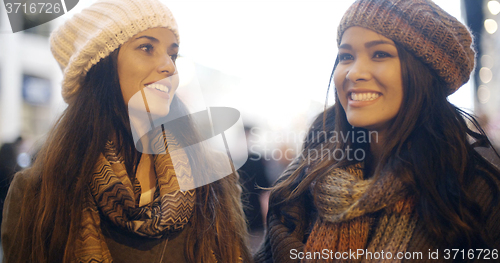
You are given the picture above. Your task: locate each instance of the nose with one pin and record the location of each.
(166, 65)
(359, 71)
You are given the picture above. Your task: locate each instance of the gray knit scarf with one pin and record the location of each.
(346, 203)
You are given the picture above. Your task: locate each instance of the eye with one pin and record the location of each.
(345, 57)
(173, 57)
(146, 47)
(381, 54)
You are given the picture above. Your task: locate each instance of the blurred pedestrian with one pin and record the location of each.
(8, 167)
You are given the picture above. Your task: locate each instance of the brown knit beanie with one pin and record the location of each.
(422, 28)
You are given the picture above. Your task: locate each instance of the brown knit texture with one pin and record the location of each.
(289, 227)
(346, 202)
(281, 237)
(424, 29)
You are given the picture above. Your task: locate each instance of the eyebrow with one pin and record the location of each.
(368, 44)
(174, 45)
(378, 42)
(148, 37)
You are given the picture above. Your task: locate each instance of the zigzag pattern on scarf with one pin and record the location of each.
(112, 193)
(175, 162)
(90, 244)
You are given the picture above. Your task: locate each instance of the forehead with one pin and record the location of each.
(161, 34)
(361, 35)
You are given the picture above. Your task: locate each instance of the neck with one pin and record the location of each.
(145, 173)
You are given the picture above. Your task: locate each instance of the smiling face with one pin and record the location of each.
(368, 79)
(147, 71)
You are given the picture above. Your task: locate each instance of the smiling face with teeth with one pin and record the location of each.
(368, 79)
(147, 72)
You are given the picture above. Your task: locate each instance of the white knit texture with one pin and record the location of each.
(98, 30)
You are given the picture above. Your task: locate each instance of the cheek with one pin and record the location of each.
(396, 81)
(125, 84)
(129, 76)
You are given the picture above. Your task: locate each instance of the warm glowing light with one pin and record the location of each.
(490, 25)
(494, 7)
(483, 94)
(485, 74)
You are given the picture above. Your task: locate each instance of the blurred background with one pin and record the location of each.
(271, 60)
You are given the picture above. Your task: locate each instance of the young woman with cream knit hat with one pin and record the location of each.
(97, 194)
(390, 172)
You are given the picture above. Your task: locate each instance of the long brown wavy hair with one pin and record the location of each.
(51, 214)
(429, 149)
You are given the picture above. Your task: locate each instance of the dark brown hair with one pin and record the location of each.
(51, 214)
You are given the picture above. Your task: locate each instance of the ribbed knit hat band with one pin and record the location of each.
(422, 28)
(98, 30)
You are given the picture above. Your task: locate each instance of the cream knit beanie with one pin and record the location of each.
(98, 30)
(424, 29)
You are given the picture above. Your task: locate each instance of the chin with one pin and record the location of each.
(159, 111)
(366, 123)
(360, 121)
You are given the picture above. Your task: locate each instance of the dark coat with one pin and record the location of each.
(124, 247)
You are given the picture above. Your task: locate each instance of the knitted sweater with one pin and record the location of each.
(288, 229)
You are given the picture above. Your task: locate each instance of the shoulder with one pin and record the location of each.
(485, 191)
(290, 210)
(24, 178)
(481, 192)
(23, 182)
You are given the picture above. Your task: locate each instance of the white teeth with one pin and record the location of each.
(159, 87)
(367, 96)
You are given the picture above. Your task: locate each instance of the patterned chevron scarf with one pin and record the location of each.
(113, 194)
(346, 204)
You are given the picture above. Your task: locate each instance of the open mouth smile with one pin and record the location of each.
(159, 87)
(363, 96)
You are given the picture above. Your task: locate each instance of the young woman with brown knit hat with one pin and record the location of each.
(97, 193)
(390, 172)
